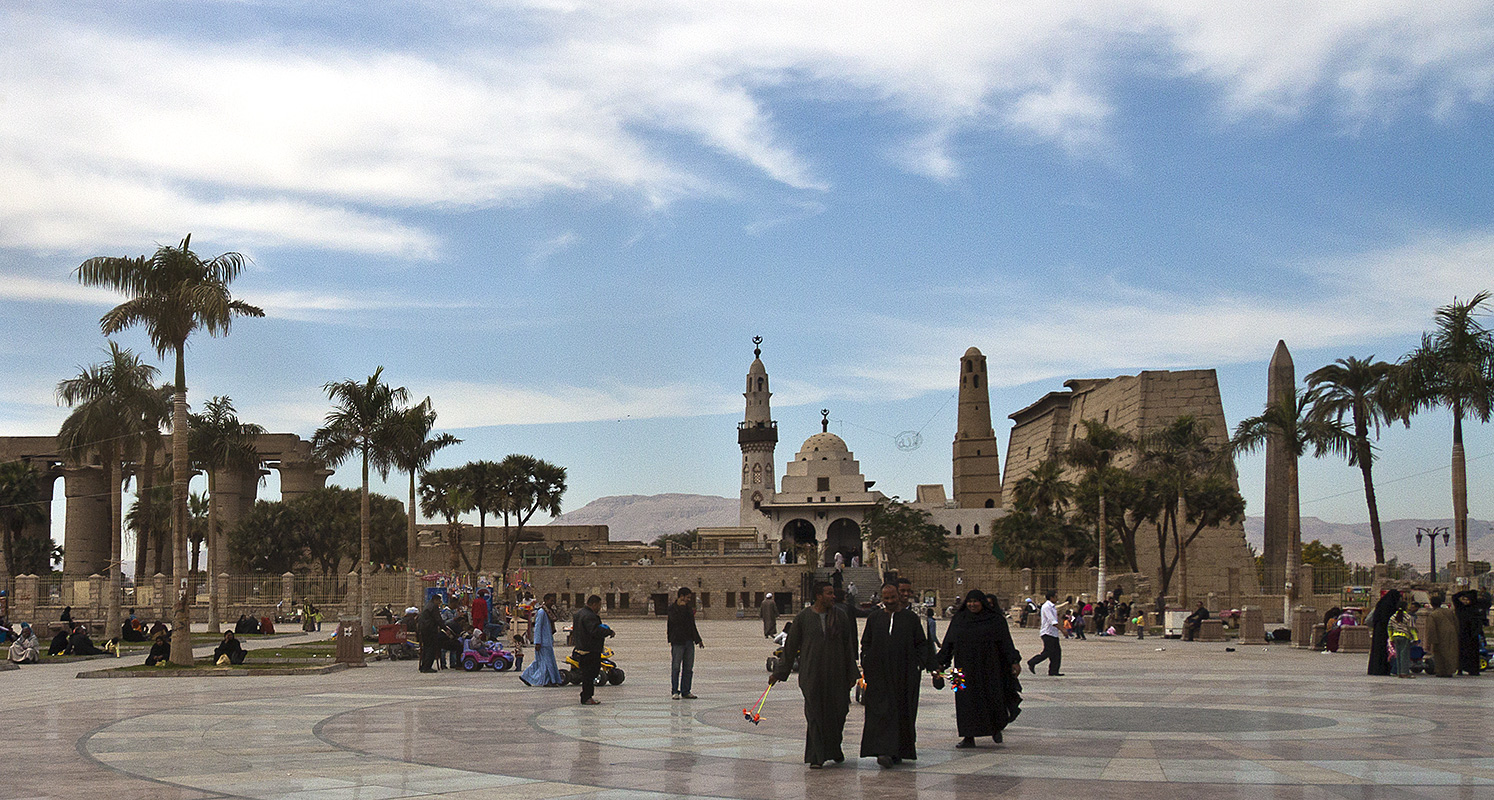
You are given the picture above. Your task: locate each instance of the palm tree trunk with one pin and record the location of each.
(181, 624)
(482, 535)
(112, 615)
(1460, 500)
(412, 581)
(214, 611)
(1182, 545)
(1369, 500)
(365, 605)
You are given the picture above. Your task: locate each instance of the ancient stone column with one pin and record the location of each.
(86, 531)
(297, 478)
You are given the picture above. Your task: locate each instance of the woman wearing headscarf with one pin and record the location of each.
(979, 643)
(1379, 655)
(1442, 638)
(1471, 611)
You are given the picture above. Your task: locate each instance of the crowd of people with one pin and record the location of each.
(1453, 640)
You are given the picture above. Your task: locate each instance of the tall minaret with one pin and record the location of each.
(758, 436)
(977, 470)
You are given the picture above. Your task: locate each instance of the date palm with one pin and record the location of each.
(1454, 368)
(538, 485)
(155, 414)
(1094, 454)
(1291, 422)
(361, 423)
(1360, 389)
(220, 441)
(444, 494)
(1043, 492)
(173, 293)
(105, 425)
(1176, 457)
(413, 448)
(20, 505)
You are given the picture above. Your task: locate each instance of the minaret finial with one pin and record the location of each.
(824, 420)
(757, 347)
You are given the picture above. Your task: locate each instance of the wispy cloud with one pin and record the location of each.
(111, 136)
(542, 252)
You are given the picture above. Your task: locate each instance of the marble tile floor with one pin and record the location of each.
(1129, 720)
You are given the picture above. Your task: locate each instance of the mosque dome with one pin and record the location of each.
(972, 352)
(757, 368)
(824, 443)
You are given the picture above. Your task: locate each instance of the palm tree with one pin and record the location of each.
(361, 422)
(220, 441)
(197, 530)
(20, 505)
(443, 494)
(538, 486)
(1358, 388)
(174, 293)
(1044, 492)
(413, 448)
(107, 400)
(486, 485)
(1454, 368)
(1291, 422)
(1094, 454)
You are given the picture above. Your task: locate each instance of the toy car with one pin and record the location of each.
(570, 671)
(490, 654)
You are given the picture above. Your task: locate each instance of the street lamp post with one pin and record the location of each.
(1431, 534)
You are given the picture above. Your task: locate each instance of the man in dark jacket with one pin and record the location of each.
(590, 636)
(683, 639)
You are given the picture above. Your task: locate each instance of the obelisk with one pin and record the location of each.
(1281, 382)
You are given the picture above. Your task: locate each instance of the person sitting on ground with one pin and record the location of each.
(78, 643)
(133, 631)
(230, 649)
(25, 649)
(59, 643)
(266, 625)
(160, 650)
(159, 627)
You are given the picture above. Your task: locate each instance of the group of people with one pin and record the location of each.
(1452, 639)
(894, 651)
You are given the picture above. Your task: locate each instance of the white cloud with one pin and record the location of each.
(551, 247)
(1076, 330)
(469, 405)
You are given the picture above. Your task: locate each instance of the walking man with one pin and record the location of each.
(590, 636)
(1049, 631)
(769, 612)
(820, 639)
(683, 639)
(894, 653)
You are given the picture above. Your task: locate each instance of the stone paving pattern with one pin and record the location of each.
(1126, 721)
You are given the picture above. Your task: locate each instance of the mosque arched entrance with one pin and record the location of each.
(799, 538)
(844, 537)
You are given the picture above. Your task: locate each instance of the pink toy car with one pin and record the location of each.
(490, 654)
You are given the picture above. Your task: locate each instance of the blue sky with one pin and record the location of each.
(565, 220)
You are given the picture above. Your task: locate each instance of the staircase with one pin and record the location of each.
(867, 579)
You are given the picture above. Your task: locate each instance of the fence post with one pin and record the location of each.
(221, 589)
(162, 597)
(288, 590)
(350, 600)
(1027, 580)
(96, 589)
(23, 605)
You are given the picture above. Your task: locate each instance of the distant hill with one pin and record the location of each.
(1399, 535)
(647, 517)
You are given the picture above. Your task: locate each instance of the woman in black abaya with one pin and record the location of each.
(979, 643)
(1379, 656)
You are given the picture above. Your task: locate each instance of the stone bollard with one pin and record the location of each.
(350, 642)
(220, 591)
(1302, 622)
(1252, 626)
(288, 590)
(98, 592)
(352, 601)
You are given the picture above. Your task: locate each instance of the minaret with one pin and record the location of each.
(758, 436)
(977, 470)
(1281, 381)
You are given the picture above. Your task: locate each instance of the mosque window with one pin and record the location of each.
(976, 531)
(969, 366)
(822, 484)
(1105, 419)
(759, 384)
(976, 379)
(990, 504)
(622, 600)
(957, 530)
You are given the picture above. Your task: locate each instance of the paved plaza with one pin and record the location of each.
(1125, 721)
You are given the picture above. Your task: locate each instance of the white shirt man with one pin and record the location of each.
(1050, 634)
